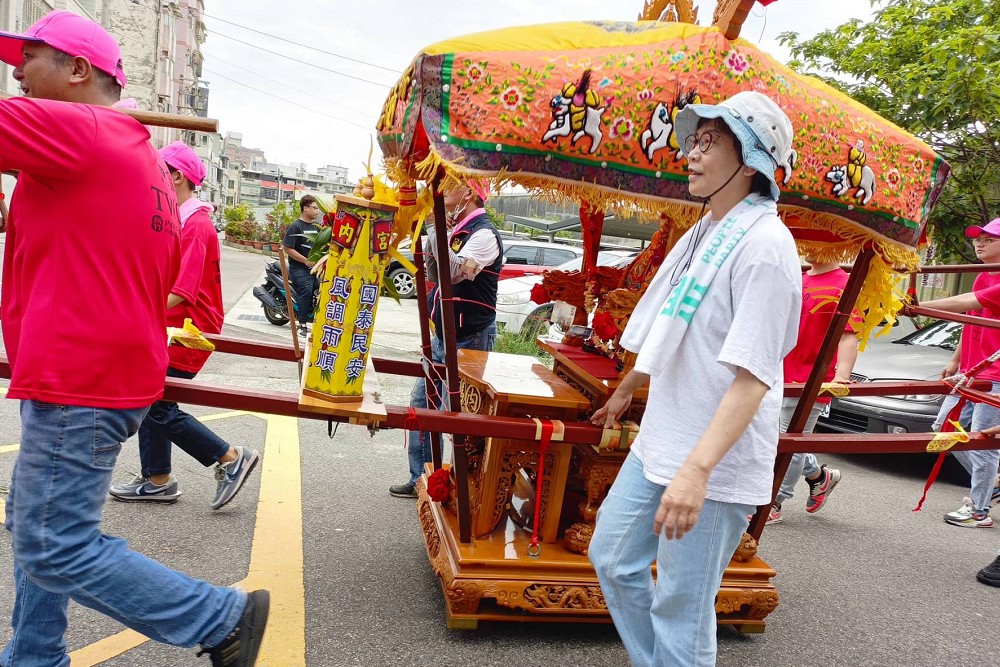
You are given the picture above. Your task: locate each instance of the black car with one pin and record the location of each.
(919, 355)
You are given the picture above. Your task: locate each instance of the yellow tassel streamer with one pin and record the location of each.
(189, 336)
(942, 442)
(837, 389)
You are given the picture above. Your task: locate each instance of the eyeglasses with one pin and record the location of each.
(984, 240)
(704, 141)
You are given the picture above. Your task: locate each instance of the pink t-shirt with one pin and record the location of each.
(817, 313)
(199, 282)
(92, 250)
(980, 342)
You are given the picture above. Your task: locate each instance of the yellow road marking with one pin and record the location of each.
(6, 449)
(107, 648)
(276, 557)
(227, 415)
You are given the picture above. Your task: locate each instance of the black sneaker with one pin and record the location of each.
(240, 648)
(403, 491)
(990, 575)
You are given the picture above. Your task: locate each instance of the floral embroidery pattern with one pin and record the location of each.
(605, 116)
(621, 128)
(737, 63)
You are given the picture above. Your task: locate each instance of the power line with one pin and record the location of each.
(304, 62)
(264, 92)
(329, 53)
(287, 87)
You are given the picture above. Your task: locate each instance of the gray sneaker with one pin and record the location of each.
(142, 490)
(231, 476)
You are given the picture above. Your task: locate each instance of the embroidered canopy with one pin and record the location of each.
(584, 110)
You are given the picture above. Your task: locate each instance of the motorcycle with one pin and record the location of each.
(272, 296)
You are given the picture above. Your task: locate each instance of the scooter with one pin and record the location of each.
(272, 296)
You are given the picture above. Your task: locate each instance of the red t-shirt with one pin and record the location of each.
(980, 342)
(199, 282)
(92, 250)
(814, 320)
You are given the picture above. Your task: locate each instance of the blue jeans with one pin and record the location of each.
(58, 489)
(418, 442)
(801, 465)
(673, 622)
(165, 423)
(981, 464)
(303, 286)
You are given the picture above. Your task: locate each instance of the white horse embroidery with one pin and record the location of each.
(559, 127)
(562, 126)
(657, 135)
(841, 184)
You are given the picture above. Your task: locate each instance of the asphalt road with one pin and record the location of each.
(864, 582)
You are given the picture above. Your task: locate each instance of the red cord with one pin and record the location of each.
(954, 415)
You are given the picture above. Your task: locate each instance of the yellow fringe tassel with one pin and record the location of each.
(882, 295)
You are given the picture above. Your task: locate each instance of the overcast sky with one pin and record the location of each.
(327, 118)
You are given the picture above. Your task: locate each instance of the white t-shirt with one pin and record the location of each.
(748, 318)
(482, 248)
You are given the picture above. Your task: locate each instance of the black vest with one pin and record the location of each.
(470, 317)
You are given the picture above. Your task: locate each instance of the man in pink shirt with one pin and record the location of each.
(84, 324)
(822, 286)
(197, 295)
(977, 344)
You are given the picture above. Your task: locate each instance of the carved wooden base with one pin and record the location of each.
(493, 578)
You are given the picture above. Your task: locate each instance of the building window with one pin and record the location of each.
(34, 10)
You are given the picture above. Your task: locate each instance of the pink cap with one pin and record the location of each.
(991, 228)
(70, 33)
(180, 156)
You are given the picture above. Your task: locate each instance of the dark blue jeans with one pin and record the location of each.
(418, 442)
(165, 423)
(304, 284)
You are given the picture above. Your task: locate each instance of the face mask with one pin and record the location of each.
(451, 217)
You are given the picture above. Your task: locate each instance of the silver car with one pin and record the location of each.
(919, 355)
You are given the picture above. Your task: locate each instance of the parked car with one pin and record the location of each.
(919, 355)
(404, 281)
(514, 304)
(529, 258)
(522, 257)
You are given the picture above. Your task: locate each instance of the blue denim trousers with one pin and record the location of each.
(801, 465)
(981, 464)
(303, 285)
(59, 486)
(166, 423)
(672, 622)
(418, 442)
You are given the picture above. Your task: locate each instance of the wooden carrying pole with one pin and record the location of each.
(451, 388)
(827, 350)
(175, 121)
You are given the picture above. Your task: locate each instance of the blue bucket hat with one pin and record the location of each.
(764, 131)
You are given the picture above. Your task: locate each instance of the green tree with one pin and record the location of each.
(931, 68)
(238, 213)
(283, 214)
(497, 218)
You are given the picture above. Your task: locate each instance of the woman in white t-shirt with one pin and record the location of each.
(710, 332)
